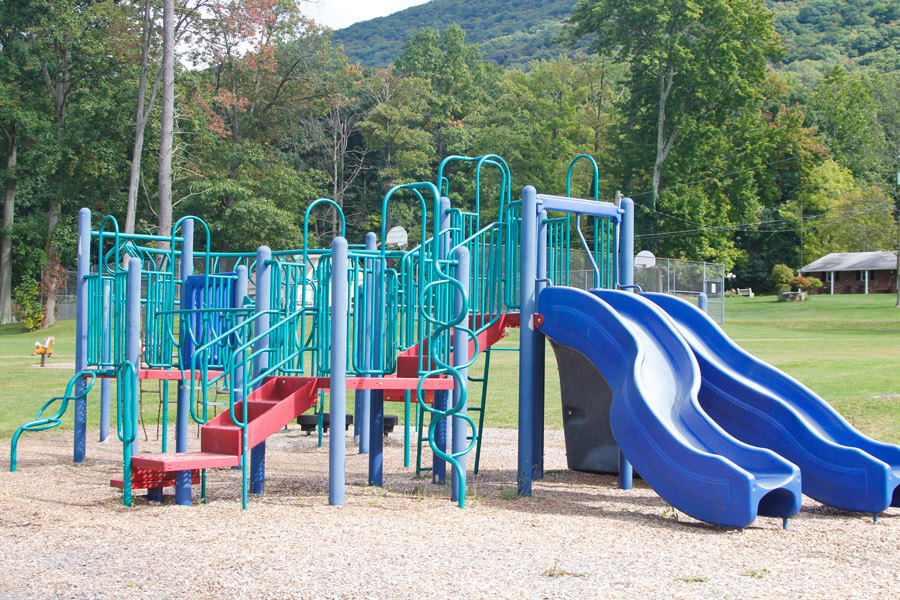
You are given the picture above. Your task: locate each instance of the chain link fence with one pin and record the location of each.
(688, 279)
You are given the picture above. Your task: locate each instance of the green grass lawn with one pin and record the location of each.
(846, 348)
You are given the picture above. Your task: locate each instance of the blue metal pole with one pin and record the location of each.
(107, 350)
(539, 349)
(81, 328)
(439, 465)
(528, 231)
(183, 408)
(239, 363)
(363, 397)
(337, 445)
(376, 398)
(460, 389)
(626, 278)
(133, 349)
(261, 362)
(703, 302)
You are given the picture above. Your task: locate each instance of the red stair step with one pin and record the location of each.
(184, 461)
(142, 479)
(222, 438)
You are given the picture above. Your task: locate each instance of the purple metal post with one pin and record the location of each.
(626, 279)
(527, 361)
(337, 449)
(376, 398)
(460, 388)
(261, 363)
(182, 419)
(81, 327)
(107, 351)
(439, 465)
(539, 349)
(363, 400)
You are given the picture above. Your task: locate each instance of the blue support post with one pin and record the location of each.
(261, 362)
(528, 232)
(336, 445)
(132, 355)
(241, 287)
(107, 352)
(460, 389)
(81, 327)
(375, 423)
(183, 408)
(363, 400)
(626, 278)
(439, 465)
(539, 349)
(133, 351)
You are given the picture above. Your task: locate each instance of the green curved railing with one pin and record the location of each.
(491, 160)
(42, 422)
(127, 392)
(431, 276)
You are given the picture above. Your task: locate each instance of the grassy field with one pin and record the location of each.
(846, 348)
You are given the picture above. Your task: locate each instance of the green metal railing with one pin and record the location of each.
(44, 421)
(127, 392)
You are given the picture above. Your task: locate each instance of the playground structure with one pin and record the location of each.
(641, 377)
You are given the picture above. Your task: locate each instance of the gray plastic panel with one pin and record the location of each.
(586, 397)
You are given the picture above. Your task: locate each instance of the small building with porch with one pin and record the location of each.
(855, 272)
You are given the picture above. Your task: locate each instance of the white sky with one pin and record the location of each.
(342, 13)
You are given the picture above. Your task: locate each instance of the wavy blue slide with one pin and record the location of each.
(763, 406)
(655, 414)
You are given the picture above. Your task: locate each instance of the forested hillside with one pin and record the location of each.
(818, 33)
(726, 159)
(508, 32)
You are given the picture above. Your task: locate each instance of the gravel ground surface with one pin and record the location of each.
(65, 534)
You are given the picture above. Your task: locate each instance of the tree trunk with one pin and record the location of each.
(167, 126)
(9, 199)
(50, 276)
(142, 115)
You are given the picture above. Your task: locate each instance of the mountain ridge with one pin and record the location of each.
(513, 33)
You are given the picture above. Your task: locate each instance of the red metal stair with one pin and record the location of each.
(276, 403)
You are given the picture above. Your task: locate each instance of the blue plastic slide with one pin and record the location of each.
(655, 415)
(762, 406)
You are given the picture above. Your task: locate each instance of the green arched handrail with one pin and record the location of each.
(309, 208)
(593, 162)
(489, 159)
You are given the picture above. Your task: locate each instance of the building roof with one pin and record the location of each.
(853, 261)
